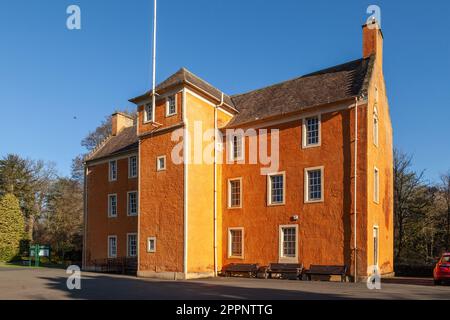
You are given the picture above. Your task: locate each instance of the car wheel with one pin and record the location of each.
(437, 282)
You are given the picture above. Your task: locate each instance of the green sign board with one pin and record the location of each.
(38, 251)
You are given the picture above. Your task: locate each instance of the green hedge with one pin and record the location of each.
(12, 227)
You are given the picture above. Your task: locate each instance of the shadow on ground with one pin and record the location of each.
(99, 287)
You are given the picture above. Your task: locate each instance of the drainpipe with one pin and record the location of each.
(215, 183)
(355, 247)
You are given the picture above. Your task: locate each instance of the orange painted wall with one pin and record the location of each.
(161, 207)
(99, 226)
(200, 190)
(325, 229)
(160, 114)
(380, 214)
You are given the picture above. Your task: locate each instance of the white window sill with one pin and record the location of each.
(236, 257)
(314, 201)
(276, 204)
(288, 260)
(309, 146)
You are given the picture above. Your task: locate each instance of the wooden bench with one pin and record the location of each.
(285, 268)
(240, 268)
(316, 270)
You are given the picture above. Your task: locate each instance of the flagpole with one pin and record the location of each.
(154, 63)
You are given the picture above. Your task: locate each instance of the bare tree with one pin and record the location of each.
(411, 197)
(445, 189)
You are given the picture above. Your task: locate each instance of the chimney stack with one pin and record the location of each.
(373, 41)
(120, 121)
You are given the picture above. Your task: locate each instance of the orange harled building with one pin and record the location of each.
(158, 194)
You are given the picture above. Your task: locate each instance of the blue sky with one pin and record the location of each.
(49, 75)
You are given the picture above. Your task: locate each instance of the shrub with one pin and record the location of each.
(12, 227)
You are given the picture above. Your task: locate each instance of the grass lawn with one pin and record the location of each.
(21, 265)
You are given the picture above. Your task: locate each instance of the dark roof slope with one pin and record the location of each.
(329, 85)
(333, 84)
(185, 76)
(125, 141)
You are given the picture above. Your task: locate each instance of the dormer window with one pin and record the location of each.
(148, 112)
(171, 106)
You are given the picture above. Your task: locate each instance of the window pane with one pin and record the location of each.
(112, 247)
(161, 163)
(376, 185)
(133, 167)
(237, 147)
(375, 130)
(112, 170)
(112, 206)
(151, 245)
(315, 185)
(235, 193)
(289, 241)
(236, 243)
(132, 245)
(277, 192)
(148, 112)
(132, 203)
(312, 130)
(172, 105)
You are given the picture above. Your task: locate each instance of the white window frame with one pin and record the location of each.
(376, 127)
(281, 257)
(130, 175)
(230, 206)
(376, 185)
(305, 144)
(109, 247)
(128, 204)
(377, 252)
(149, 250)
(158, 167)
(306, 184)
(110, 171)
(146, 106)
(128, 244)
(110, 215)
(230, 255)
(168, 113)
(269, 189)
(231, 146)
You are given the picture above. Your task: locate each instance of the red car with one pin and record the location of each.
(441, 272)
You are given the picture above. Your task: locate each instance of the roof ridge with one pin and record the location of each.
(296, 78)
(201, 79)
(98, 147)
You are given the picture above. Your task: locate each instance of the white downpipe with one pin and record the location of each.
(154, 63)
(355, 191)
(215, 183)
(186, 185)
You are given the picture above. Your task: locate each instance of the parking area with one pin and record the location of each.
(28, 283)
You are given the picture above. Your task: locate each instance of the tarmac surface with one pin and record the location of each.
(51, 284)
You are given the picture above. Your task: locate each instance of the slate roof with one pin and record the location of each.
(125, 141)
(330, 85)
(326, 86)
(183, 76)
